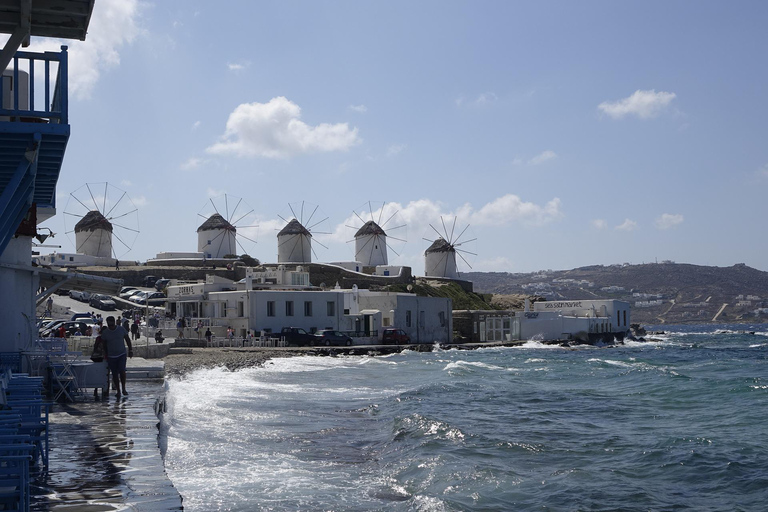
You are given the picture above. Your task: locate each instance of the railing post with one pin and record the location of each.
(64, 84)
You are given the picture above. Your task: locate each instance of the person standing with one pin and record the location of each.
(115, 339)
(208, 335)
(135, 329)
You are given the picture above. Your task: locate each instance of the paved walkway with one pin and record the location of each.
(104, 456)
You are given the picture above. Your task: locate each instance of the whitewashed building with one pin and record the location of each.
(579, 320)
(294, 243)
(268, 303)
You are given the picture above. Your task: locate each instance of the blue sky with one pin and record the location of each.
(563, 133)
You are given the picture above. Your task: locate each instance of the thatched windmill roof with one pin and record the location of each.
(294, 227)
(215, 221)
(92, 221)
(439, 245)
(370, 228)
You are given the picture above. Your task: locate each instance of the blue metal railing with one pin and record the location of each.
(56, 108)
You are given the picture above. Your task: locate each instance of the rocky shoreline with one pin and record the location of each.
(179, 364)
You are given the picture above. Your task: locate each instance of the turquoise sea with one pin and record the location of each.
(679, 423)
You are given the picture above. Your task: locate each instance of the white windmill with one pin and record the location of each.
(440, 256)
(294, 241)
(217, 237)
(102, 217)
(372, 242)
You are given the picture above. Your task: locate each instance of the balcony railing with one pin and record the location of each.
(55, 103)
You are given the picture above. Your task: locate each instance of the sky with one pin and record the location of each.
(547, 134)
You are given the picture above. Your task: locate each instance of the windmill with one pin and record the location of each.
(294, 241)
(372, 242)
(222, 233)
(106, 220)
(440, 256)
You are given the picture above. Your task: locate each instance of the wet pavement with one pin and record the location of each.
(104, 456)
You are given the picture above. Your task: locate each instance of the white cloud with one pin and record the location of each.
(360, 109)
(212, 192)
(140, 201)
(112, 25)
(125, 183)
(627, 225)
(510, 208)
(196, 125)
(486, 98)
(396, 149)
(543, 157)
(599, 224)
(237, 66)
(643, 104)
(420, 214)
(669, 220)
(274, 130)
(482, 100)
(192, 163)
(517, 161)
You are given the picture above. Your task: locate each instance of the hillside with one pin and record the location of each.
(659, 292)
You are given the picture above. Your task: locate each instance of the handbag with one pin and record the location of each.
(97, 355)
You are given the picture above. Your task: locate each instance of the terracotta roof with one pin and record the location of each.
(370, 228)
(215, 221)
(439, 245)
(294, 227)
(92, 221)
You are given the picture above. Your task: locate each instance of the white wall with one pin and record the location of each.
(97, 242)
(18, 289)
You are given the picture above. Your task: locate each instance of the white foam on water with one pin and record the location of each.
(468, 364)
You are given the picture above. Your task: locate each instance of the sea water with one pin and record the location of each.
(676, 423)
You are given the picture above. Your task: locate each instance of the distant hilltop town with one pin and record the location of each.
(659, 293)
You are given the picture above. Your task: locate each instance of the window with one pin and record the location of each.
(240, 309)
(442, 318)
(625, 318)
(618, 317)
(330, 308)
(307, 308)
(270, 308)
(408, 318)
(289, 308)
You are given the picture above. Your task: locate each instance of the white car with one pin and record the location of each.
(130, 293)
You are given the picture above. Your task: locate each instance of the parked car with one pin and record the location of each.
(46, 328)
(103, 302)
(149, 298)
(125, 289)
(149, 281)
(70, 327)
(80, 295)
(83, 317)
(129, 293)
(328, 337)
(297, 336)
(392, 336)
(160, 284)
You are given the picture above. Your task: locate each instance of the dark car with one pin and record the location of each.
(70, 327)
(149, 281)
(394, 336)
(161, 283)
(297, 336)
(103, 302)
(328, 337)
